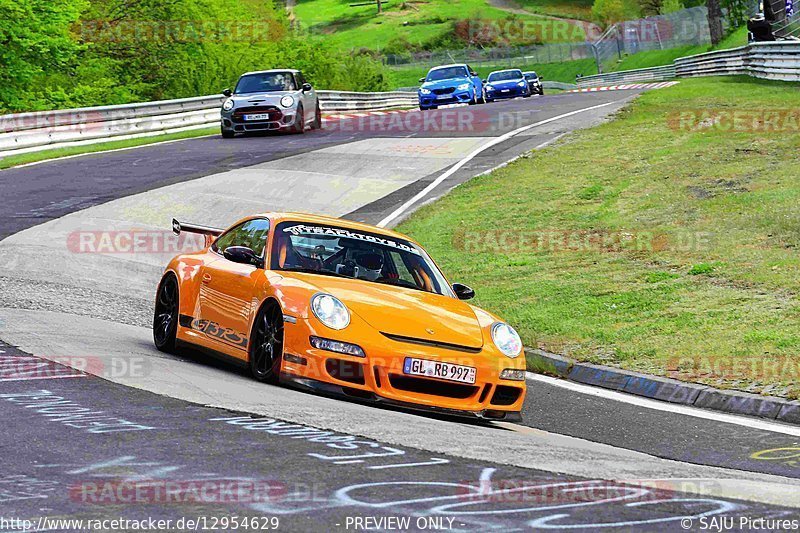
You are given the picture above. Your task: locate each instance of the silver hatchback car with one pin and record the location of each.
(277, 100)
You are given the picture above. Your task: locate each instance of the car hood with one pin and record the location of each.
(255, 99)
(402, 311)
(443, 84)
(506, 84)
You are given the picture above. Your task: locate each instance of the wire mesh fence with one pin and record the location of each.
(784, 17)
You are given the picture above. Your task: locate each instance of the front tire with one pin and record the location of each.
(317, 124)
(165, 318)
(227, 134)
(483, 99)
(266, 344)
(299, 126)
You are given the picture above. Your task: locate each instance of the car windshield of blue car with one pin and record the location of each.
(505, 75)
(447, 73)
(266, 83)
(355, 254)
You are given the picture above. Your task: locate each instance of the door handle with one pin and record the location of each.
(206, 278)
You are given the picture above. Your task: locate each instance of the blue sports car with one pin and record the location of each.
(451, 84)
(506, 84)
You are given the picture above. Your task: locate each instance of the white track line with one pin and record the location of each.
(754, 423)
(497, 140)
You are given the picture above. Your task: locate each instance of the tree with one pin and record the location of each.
(34, 40)
(608, 12)
(715, 21)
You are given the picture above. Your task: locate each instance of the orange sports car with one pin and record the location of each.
(340, 307)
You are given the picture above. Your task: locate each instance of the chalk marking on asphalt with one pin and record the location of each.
(753, 423)
(458, 166)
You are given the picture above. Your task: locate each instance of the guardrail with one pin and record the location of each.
(778, 60)
(628, 76)
(29, 132)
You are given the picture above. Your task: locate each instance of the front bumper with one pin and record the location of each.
(514, 92)
(379, 377)
(455, 97)
(277, 119)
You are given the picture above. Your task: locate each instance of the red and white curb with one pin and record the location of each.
(659, 85)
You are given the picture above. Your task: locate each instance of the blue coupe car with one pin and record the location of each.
(506, 84)
(451, 84)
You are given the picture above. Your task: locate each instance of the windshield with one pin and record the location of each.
(340, 252)
(531, 76)
(447, 73)
(265, 83)
(505, 75)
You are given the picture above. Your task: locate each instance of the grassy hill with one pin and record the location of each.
(427, 24)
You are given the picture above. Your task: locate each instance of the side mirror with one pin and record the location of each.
(227, 92)
(243, 255)
(463, 292)
(306, 87)
(541, 78)
(422, 80)
(484, 81)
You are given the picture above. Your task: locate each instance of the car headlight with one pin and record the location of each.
(464, 86)
(506, 339)
(228, 105)
(523, 83)
(490, 88)
(424, 91)
(287, 101)
(330, 311)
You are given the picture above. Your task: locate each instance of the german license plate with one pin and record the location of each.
(260, 116)
(443, 97)
(505, 90)
(437, 369)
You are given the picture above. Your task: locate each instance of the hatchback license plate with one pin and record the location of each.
(436, 369)
(262, 116)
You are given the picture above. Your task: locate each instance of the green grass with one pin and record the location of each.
(708, 272)
(419, 22)
(575, 9)
(33, 157)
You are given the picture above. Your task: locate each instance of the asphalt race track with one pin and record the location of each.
(189, 438)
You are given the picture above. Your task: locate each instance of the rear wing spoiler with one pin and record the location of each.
(210, 233)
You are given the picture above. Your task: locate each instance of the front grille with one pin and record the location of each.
(505, 395)
(434, 344)
(432, 387)
(448, 90)
(274, 113)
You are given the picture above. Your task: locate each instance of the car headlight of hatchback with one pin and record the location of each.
(287, 101)
(506, 339)
(464, 86)
(228, 105)
(330, 311)
(424, 91)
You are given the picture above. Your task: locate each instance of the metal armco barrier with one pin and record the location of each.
(779, 60)
(29, 132)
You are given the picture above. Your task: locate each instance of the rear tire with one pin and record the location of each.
(165, 318)
(227, 134)
(265, 351)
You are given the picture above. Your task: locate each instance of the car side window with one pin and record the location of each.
(300, 79)
(252, 234)
(471, 71)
